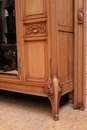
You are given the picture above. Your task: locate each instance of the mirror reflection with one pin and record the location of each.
(8, 49)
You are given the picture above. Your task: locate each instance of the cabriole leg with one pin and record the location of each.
(52, 92)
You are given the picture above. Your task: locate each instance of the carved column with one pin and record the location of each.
(79, 55)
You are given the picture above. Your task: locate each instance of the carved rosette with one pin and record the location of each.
(38, 28)
(80, 17)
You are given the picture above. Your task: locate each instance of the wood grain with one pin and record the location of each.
(50, 50)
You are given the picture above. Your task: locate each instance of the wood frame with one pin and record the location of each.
(79, 54)
(48, 85)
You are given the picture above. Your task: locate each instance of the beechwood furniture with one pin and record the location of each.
(50, 51)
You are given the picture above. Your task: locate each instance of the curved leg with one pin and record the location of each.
(55, 103)
(52, 92)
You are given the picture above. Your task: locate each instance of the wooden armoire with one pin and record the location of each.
(50, 51)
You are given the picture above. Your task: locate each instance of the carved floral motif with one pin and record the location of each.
(80, 17)
(49, 91)
(35, 28)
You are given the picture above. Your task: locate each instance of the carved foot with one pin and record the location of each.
(52, 92)
(56, 117)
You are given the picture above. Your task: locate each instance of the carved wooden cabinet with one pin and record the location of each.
(50, 57)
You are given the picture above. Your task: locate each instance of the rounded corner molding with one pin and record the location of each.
(80, 17)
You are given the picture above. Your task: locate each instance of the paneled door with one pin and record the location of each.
(66, 44)
(71, 48)
(36, 41)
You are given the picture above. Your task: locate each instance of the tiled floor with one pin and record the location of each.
(24, 112)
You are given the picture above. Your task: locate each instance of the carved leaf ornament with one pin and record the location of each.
(49, 91)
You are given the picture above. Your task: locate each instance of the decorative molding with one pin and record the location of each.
(80, 17)
(49, 91)
(35, 28)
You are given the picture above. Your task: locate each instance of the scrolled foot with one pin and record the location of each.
(56, 117)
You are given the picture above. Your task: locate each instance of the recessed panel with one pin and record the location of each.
(67, 87)
(33, 7)
(65, 55)
(35, 59)
(65, 13)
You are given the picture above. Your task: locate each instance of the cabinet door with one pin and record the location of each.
(35, 41)
(66, 44)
